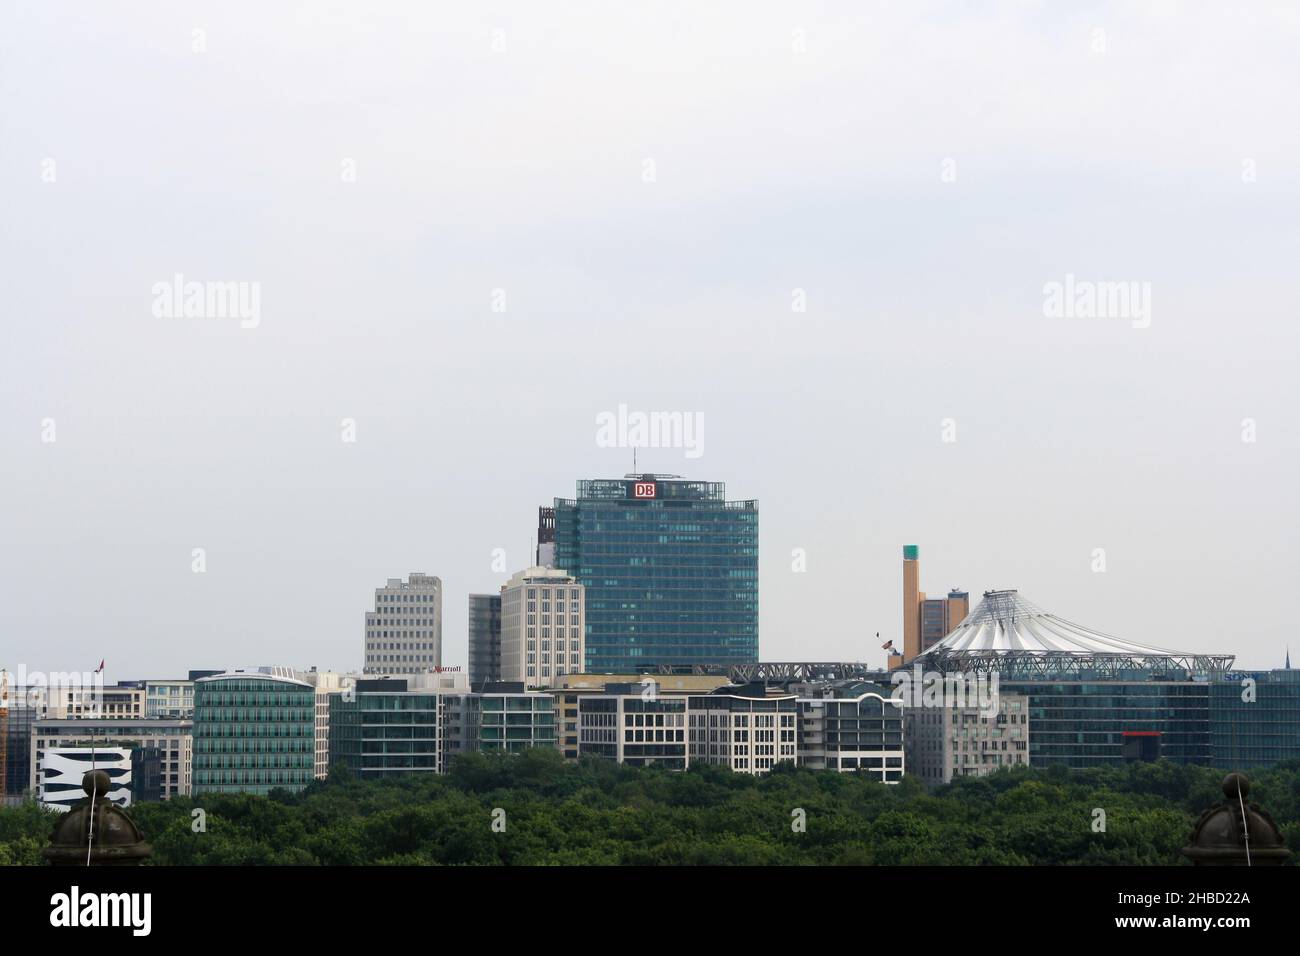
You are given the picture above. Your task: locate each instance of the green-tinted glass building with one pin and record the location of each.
(1094, 723)
(510, 721)
(379, 729)
(253, 733)
(670, 569)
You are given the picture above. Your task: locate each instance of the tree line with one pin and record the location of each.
(535, 809)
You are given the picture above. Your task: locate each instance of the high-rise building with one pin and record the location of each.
(670, 568)
(911, 602)
(926, 621)
(542, 624)
(545, 537)
(404, 631)
(253, 733)
(484, 638)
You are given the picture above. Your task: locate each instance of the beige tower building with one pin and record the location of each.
(404, 631)
(926, 621)
(912, 598)
(543, 627)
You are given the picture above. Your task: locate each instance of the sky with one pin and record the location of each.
(825, 231)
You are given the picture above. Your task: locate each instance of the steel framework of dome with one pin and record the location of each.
(1008, 634)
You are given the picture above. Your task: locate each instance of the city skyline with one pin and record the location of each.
(875, 248)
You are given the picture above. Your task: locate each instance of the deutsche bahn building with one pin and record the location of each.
(670, 568)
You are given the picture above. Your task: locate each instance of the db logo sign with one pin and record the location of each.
(643, 489)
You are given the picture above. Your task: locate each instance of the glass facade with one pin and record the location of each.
(378, 735)
(670, 569)
(253, 734)
(1255, 719)
(169, 698)
(484, 638)
(513, 722)
(18, 734)
(1090, 724)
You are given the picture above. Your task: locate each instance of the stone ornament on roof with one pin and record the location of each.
(96, 832)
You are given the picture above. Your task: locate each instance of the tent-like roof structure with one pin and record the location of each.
(1005, 629)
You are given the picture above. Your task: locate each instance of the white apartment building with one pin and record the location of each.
(111, 701)
(947, 742)
(404, 631)
(543, 627)
(169, 698)
(851, 727)
(742, 733)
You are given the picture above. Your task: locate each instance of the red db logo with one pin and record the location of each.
(643, 489)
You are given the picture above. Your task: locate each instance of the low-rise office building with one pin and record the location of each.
(571, 688)
(629, 724)
(172, 738)
(253, 733)
(169, 698)
(505, 717)
(379, 728)
(122, 700)
(1254, 718)
(63, 771)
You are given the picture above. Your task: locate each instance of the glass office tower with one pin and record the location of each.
(670, 569)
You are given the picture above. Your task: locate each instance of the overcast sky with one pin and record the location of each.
(648, 185)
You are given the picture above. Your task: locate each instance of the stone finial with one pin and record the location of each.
(1236, 833)
(96, 832)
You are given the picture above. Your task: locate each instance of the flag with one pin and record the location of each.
(100, 668)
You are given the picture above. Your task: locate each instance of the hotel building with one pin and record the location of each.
(404, 631)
